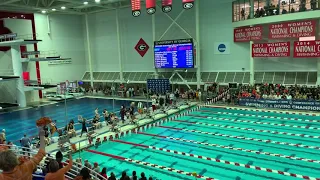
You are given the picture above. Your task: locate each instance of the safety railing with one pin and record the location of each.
(26, 153)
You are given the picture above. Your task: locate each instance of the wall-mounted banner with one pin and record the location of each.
(187, 4)
(8, 36)
(59, 62)
(151, 6)
(142, 47)
(135, 7)
(292, 29)
(277, 49)
(306, 49)
(221, 48)
(281, 104)
(247, 34)
(166, 6)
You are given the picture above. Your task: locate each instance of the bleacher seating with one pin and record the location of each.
(306, 78)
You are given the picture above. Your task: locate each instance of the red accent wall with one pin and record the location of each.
(4, 14)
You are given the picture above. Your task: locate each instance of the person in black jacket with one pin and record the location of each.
(143, 176)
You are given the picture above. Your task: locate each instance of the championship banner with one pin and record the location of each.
(277, 49)
(281, 104)
(135, 6)
(151, 6)
(292, 29)
(166, 6)
(188, 4)
(247, 34)
(306, 49)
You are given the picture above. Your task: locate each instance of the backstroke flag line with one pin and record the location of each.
(151, 6)
(187, 4)
(135, 6)
(166, 6)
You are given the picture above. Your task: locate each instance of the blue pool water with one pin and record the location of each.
(215, 169)
(18, 123)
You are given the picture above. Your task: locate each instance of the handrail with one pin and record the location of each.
(74, 171)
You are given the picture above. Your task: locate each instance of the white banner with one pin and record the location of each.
(222, 48)
(58, 62)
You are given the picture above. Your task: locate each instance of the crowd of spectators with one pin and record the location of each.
(278, 91)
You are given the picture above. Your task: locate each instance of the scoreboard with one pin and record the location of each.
(160, 86)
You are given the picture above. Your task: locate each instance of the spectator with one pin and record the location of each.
(2, 136)
(87, 164)
(25, 143)
(59, 158)
(84, 174)
(124, 176)
(96, 167)
(104, 173)
(9, 163)
(112, 176)
(150, 178)
(134, 175)
(143, 176)
(55, 173)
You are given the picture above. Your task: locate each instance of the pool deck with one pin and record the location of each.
(82, 142)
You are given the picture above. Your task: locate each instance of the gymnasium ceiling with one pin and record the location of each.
(72, 6)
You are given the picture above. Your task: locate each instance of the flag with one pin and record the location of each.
(135, 6)
(151, 6)
(166, 6)
(187, 4)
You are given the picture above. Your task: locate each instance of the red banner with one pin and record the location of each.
(247, 34)
(306, 49)
(151, 6)
(166, 6)
(135, 6)
(187, 4)
(292, 29)
(277, 49)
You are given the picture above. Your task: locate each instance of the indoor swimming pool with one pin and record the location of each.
(18, 123)
(218, 143)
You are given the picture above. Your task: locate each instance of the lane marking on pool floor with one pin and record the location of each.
(259, 116)
(233, 148)
(151, 165)
(258, 168)
(256, 122)
(249, 129)
(243, 138)
(263, 110)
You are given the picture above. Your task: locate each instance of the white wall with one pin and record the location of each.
(66, 37)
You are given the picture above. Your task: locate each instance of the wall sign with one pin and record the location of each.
(281, 104)
(306, 49)
(277, 49)
(142, 47)
(247, 34)
(292, 29)
(59, 62)
(221, 48)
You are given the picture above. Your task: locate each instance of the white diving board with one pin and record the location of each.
(18, 42)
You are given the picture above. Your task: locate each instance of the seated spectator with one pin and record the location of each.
(84, 174)
(96, 122)
(96, 167)
(2, 136)
(55, 173)
(124, 176)
(134, 175)
(87, 164)
(104, 173)
(11, 168)
(71, 130)
(112, 176)
(143, 176)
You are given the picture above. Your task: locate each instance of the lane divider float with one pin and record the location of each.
(234, 148)
(256, 122)
(151, 165)
(250, 129)
(244, 138)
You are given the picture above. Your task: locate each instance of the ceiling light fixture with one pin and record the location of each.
(63, 7)
(85, 3)
(43, 11)
(53, 9)
(97, 1)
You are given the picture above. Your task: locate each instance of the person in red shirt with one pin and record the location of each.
(104, 173)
